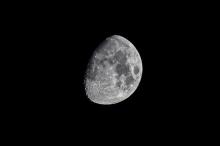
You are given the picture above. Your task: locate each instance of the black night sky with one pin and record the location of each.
(56, 45)
(65, 45)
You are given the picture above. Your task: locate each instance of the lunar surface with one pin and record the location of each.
(114, 71)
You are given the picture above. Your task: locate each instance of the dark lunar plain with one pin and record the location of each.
(54, 48)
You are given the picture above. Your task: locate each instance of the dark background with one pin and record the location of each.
(54, 42)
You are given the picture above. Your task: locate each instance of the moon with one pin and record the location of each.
(114, 71)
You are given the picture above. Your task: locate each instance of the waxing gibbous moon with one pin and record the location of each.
(114, 71)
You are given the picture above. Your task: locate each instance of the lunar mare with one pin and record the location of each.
(114, 71)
